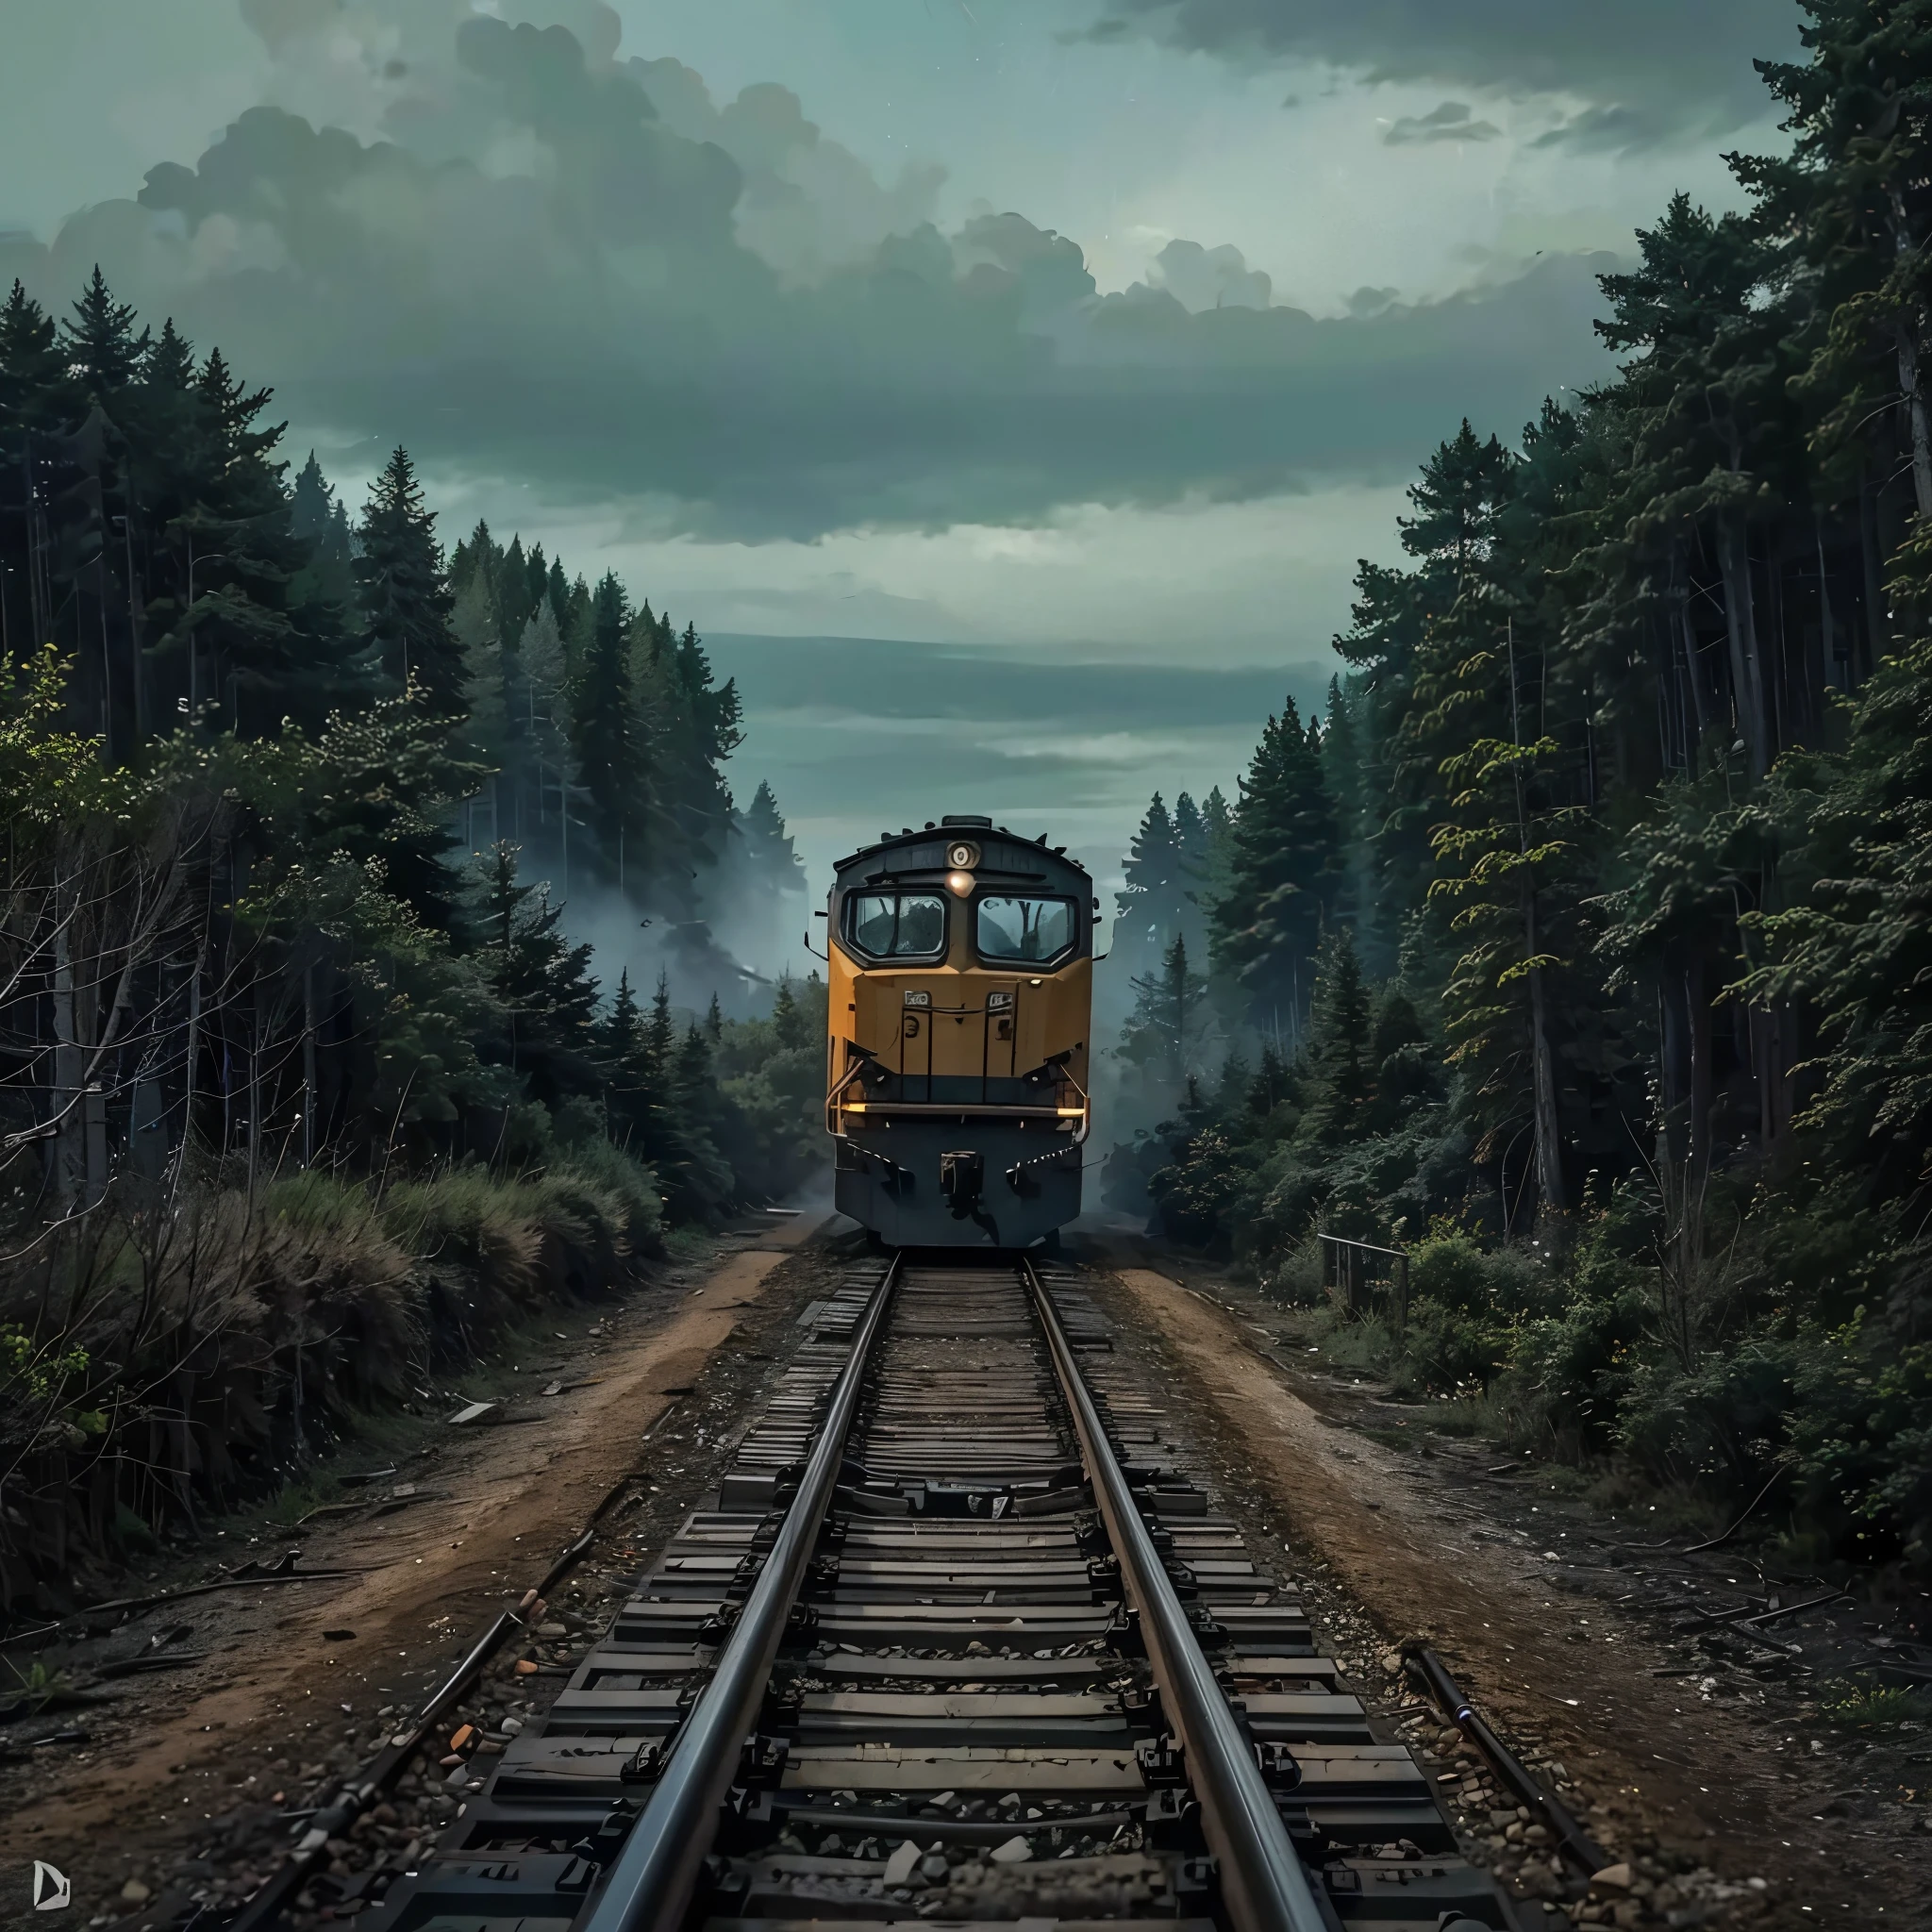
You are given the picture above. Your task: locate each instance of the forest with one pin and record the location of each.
(306, 1090)
(1581, 951)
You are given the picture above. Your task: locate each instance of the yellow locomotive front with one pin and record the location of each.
(961, 987)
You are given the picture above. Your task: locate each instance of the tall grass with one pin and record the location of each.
(163, 1359)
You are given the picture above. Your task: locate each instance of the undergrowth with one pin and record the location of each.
(171, 1361)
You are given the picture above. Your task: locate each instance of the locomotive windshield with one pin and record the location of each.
(1024, 929)
(896, 925)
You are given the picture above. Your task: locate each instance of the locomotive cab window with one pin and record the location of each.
(1028, 929)
(896, 925)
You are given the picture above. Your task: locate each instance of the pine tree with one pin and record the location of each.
(1856, 191)
(1282, 866)
(486, 701)
(101, 348)
(30, 364)
(602, 728)
(1506, 860)
(318, 518)
(1711, 422)
(635, 1097)
(169, 363)
(477, 556)
(1166, 1032)
(1340, 1069)
(405, 598)
(544, 681)
(1462, 489)
(773, 857)
(541, 982)
(1146, 907)
(661, 1032)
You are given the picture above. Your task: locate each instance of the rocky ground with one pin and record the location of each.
(1717, 1761)
(1712, 1759)
(190, 1780)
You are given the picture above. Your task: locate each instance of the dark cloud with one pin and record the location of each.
(1691, 63)
(1451, 120)
(1608, 130)
(535, 265)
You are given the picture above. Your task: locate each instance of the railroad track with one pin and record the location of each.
(961, 1641)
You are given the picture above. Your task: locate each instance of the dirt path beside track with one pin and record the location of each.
(276, 1699)
(1487, 1573)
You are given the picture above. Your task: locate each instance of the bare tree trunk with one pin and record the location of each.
(1700, 1084)
(1675, 1052)
(308, 1065)
(1827, 636)
(1549, 1137)
(191, 1068)
(1741, 621)
(70, 1152)
(1915, 412)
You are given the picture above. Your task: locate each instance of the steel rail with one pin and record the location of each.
(1264, 1885)
(650, 1883)
(355, 1795)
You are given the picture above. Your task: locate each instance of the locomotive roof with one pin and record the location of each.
(1003, 853)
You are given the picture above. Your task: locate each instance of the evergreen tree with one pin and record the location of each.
(1856, 191)
(1340, 1068)
(550, 781)
(486, 698)
(540, 980)
(1166, 1030)
(101, 348)
(1145, 907)
(602, 727)
(30, 364)
(635, 1097)
(1282, 865)
(516, 603)
(170, 364)
(403, 595)
(318, 518)
(773, 857)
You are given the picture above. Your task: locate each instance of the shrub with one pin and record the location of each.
(1722, 1424)
(1455, 1272)
(631, 1185)
(1447, 1349)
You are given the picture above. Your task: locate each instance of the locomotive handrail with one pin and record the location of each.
(1263, 1882)
(1086, 1105)
(844, 1080)
(651, 1882)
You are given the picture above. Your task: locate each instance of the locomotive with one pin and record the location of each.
(961, 983)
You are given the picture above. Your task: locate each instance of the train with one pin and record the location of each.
(960, 983)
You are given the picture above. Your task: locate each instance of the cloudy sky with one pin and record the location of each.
(1037, 338)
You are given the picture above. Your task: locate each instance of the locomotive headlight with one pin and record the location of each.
(963, 855)
(959, 883)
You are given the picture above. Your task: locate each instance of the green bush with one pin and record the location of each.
(1571, 1372)
(1457, 1273)
(631, 1185)
(1723, 1423)
(1447, 1349)
(1298, 1279)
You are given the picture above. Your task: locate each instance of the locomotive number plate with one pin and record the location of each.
(919, 999)
(997, 1002)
